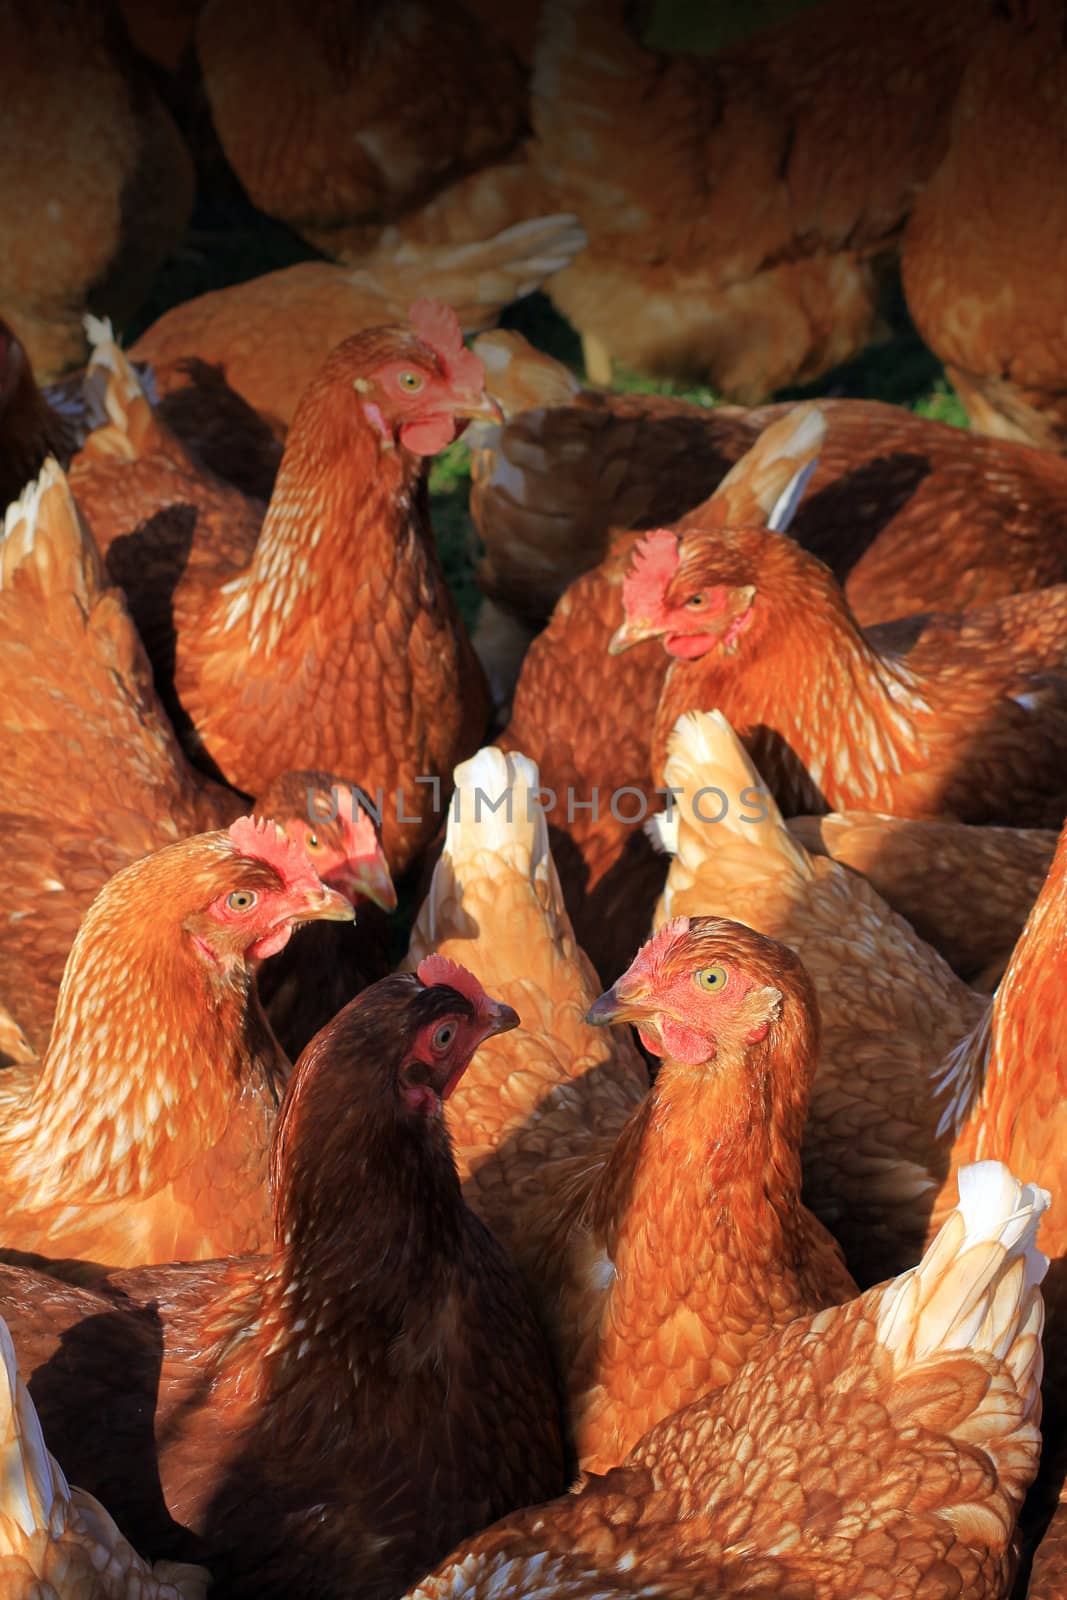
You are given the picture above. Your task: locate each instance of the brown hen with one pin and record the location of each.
(880, 1448)
(664, 1243)
(959, 714)
(879, 1133)
(342, 583)
(144, 1134)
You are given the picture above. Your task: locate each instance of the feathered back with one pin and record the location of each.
(45, 538)
(976, 1288)
(769, 480)
(494, 823)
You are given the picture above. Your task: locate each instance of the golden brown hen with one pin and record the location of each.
(960, 714)
(587, 723)
(663, 1247)
(880, 1448)
(144, 1134)
(879, 1132)
(330, 628)
(919, 1075)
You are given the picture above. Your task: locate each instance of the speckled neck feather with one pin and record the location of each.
(804, 665)
(332, 497)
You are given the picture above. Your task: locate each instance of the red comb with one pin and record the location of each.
(263, 840)
(649, 959)
(438, 969)
(654, 563)
(438, 326)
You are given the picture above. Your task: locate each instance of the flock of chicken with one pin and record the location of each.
(328, 1269)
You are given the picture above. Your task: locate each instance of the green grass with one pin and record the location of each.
(704, 26)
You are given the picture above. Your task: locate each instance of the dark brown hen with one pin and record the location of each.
(329, 1419)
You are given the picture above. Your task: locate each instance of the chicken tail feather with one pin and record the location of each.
(770, 479)
(721, 804)
(35, 1490)
(44, 534)
(118, 401)
(495, 815)
(976, 1287)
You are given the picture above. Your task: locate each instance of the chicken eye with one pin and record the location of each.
(313, 842)
(696, 602)
(711, 978)
(241, 900)
(444, 1036)
(410, 382)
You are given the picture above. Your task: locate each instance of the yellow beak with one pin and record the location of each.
(366, 879)
(633, 631)
(613, 1006)
(478, 408)
(327, 905)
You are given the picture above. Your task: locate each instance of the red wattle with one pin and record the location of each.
(427, 437)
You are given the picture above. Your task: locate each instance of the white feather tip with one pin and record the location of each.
(788, 502)
(997, 1207)
(98, 330)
